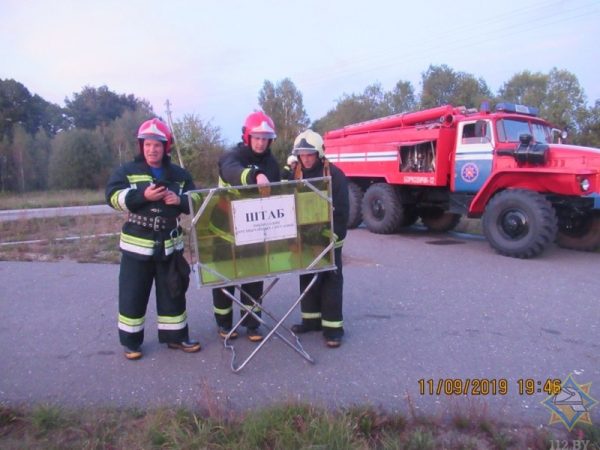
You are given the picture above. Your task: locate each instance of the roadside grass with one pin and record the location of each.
(50, 199)
(284, 426)
(87, 239)
(91, 238)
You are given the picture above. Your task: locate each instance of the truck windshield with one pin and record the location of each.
(509, 130)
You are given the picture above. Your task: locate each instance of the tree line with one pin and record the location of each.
(45, 146)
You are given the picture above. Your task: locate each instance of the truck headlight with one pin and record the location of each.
(584, 184)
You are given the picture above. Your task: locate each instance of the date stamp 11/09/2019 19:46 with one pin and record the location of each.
(568, 401)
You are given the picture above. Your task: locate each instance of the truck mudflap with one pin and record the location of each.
(596, 197)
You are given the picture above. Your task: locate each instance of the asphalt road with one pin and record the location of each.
(417, 307)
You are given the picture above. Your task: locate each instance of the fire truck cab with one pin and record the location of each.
(508, 167)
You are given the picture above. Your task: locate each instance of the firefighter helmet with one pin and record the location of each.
(258, 124)
(155, 129)
(291, 160)
(308, 141)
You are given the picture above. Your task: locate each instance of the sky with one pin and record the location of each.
(211, 58)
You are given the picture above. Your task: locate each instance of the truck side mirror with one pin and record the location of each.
(559, 136)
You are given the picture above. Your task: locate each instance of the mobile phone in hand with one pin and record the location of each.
(161, 183)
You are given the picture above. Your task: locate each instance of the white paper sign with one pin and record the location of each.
(264, 219)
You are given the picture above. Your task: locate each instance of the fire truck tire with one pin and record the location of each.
(519, 223)
(583, 236)
(436, 219)
(381, 209)
(355, 195)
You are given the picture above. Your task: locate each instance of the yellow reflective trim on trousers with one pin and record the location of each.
(172, 319)
(221, 311)
(328, 323)
(138, 242)
(131, 321)
(244, 176)
(222, 234)
(307, 315)
(338, 244)
(139, 178)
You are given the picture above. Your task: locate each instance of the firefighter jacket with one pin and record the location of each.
(152, 230)
(240, 166)
(287, 173)
(339, 193)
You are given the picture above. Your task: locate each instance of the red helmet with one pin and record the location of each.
(157, 130)
(258, 124)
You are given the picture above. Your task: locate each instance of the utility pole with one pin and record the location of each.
(170, 123)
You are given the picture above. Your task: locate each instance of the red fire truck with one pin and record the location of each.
(502, 166)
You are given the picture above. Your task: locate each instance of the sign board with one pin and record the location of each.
(240, 235)
(264, 219)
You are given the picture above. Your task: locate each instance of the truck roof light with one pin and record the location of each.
(513, 107)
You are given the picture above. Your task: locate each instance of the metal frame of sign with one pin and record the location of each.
(314, 266)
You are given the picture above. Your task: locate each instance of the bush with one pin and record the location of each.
(80, 159)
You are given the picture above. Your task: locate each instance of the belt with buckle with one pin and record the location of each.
(156, 223)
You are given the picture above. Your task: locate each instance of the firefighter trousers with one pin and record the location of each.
(135, 283)
(223, 304)
(322, 305)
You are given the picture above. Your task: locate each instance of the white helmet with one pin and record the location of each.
(291, 160)
(308, 141)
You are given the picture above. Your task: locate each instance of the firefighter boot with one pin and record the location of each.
(254, 334)
(133, 353)
(187, 346)
(333, 339)
(224, 332)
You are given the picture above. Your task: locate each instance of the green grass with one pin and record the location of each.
(284, 426)
(50, 199)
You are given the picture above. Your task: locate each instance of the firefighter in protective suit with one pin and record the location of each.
(250, 162)
(290, 168)
(153, 191)
(322, 305)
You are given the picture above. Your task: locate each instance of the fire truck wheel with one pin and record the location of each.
(582, 234)
(519, 223)
(381, 209)
(355, 195)
(436, 219)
